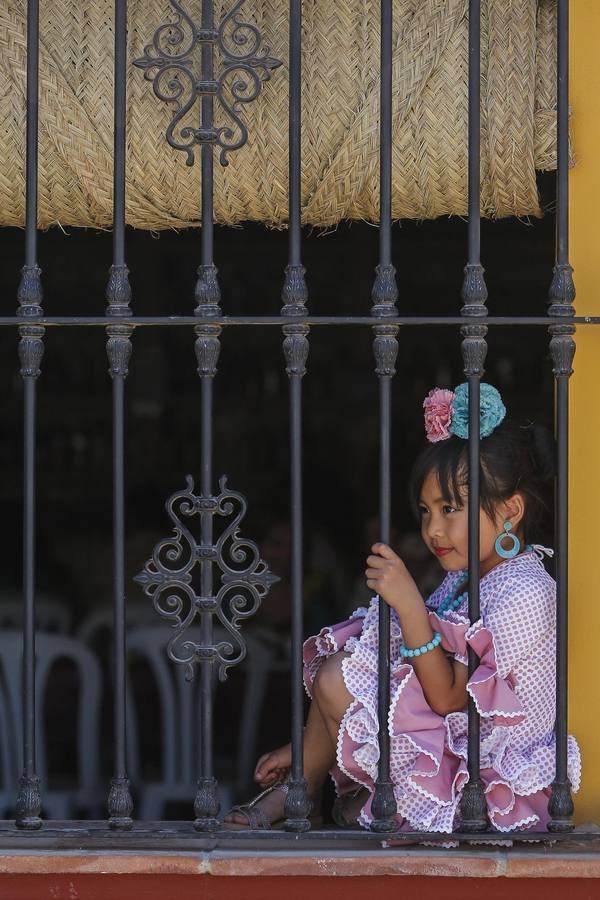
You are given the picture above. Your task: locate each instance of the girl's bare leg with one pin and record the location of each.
(331, 695)
(330, 701)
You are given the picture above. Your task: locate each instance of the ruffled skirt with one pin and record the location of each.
(428, 752)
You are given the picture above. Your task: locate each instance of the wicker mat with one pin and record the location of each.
(340, 115)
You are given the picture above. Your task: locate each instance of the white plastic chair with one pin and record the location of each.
(177, 718)
(101, 620)
(148, 636)
(87, 793)
(262, 660)
(50, 615)
(8, 765)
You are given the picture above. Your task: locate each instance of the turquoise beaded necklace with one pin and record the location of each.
(450, 603)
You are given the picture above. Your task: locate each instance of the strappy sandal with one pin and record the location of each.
(255, 816)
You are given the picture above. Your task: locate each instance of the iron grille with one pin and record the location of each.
(190, 64)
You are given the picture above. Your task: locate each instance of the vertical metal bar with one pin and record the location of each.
(207, 346)
(562, 349)
(474, 349)
(385, 345)
(206, 816)
(295, 347)
(31, 349)
(562, 137)
(118, 348)
(294, 136)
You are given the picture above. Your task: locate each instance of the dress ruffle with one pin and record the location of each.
(329, 640)
(428, 752)
(494, 696)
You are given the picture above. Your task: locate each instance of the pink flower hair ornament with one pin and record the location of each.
(438, 414)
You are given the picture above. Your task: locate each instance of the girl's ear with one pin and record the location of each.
(515, 510)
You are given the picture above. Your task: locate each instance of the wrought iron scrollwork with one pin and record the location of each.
(169, 577)
(170, 63)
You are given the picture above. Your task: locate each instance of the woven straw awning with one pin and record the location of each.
(340, 115)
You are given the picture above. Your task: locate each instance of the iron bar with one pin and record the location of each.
(207, 809)
(118, 348)
(178, 836)
(206, 803)
(562, 135)
(31, 133)
(562, 350)
(385, 347)
(296, 804)
(31, 348)
(120, 803)
(296, 323)
(473, 805)
(226, 321)
(294, 133)
(295, 348)
(119, 134)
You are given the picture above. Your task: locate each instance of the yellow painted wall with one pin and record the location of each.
(584, 556)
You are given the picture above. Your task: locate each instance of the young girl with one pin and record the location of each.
(514, 638)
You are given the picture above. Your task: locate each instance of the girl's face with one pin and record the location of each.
(444, 529)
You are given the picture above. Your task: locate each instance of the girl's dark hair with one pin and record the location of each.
(513, 459)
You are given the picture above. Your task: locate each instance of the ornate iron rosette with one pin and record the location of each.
(170, 575)
(176, 62)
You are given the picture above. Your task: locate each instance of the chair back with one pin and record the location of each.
(50, 649)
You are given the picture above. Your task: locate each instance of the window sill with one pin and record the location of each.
(572, 860)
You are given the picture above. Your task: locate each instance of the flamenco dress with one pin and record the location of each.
(513, 689)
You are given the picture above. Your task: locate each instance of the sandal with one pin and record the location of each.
(255, 816)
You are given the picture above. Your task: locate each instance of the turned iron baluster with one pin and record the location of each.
(562, 350)
(474, 349)
(31, 350)
(118, 348)
(385, 347)
(295, 348)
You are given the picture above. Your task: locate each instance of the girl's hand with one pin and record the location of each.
(273, 767)
(388, 576)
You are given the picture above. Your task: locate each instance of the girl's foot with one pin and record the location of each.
(260, 812)
(265, 810)
(346, 809)
(272, 770)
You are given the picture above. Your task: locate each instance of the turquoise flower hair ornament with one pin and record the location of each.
(447, 412)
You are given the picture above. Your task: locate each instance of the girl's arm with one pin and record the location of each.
(444, 681)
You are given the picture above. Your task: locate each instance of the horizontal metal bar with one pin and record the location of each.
(182, 836)
(410, 321)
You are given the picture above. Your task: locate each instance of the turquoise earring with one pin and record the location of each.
(516, 543)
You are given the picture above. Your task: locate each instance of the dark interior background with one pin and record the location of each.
(251, 404)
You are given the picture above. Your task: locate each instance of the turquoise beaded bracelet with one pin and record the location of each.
(435, 641)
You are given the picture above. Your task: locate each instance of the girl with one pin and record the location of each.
(514, 639)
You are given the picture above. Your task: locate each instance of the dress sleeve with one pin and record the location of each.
(523, 611)
(511, 629)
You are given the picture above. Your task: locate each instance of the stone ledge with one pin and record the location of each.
(553, 862)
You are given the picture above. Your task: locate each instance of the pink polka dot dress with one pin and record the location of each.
(513, 689)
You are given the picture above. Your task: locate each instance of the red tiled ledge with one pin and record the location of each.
(565, 861)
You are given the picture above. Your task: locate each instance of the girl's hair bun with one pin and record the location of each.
(543, 452)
